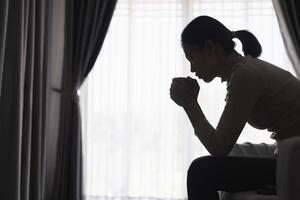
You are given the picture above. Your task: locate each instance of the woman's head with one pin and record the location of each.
(205, 28)
(204, 38)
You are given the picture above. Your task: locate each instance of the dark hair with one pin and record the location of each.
(207, 28)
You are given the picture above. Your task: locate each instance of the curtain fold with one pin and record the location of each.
(288, 15)
(3, 26)
(86, 25)
(23, 83)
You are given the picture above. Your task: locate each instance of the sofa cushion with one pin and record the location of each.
(257, 150)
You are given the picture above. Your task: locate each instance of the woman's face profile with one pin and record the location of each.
(199, 61)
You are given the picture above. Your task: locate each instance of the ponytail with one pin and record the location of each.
(250, 44)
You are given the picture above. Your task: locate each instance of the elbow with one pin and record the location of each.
(220, 152)
(217, 146)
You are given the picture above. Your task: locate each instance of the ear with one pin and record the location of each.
(210, 47)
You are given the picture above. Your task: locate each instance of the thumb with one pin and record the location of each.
(192, 82)
(194, 85)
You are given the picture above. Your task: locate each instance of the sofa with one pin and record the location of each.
(288, 170)
(252, 150)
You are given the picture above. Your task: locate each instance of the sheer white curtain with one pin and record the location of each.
(137, 142)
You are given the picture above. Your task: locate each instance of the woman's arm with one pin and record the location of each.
(220, 141)
(200, 123)
(243, 93)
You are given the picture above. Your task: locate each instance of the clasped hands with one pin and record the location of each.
(184, 91)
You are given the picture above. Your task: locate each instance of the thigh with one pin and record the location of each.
(232, 173)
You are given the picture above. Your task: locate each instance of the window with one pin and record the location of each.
(137, 142)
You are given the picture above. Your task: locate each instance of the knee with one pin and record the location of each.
(201, 169)
(201, 182)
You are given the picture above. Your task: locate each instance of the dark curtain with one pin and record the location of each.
(23, 89)
(288, 15)
(3, 29)
(87, 22)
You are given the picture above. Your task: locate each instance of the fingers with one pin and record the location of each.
(179, 80)
(183, 79)
(191, 80)
(179, 88)
(182, 83)
(179, 97)
(182, 88)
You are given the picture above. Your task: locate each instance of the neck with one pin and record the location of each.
(227, 65)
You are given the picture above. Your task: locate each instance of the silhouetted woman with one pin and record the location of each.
(258, 92)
